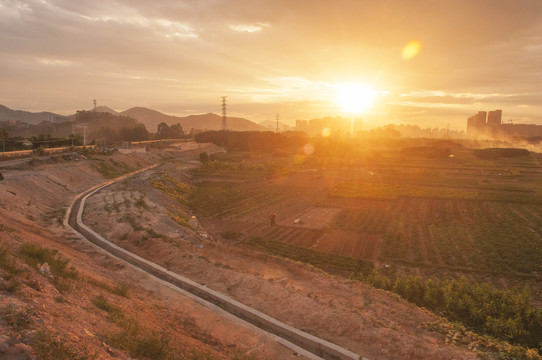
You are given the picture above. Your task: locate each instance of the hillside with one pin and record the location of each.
(89, 305)
(7, 114)
(151, 119)
(107, 109)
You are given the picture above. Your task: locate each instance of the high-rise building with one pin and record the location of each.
(495, 128)
(476, 123)
(494, 118)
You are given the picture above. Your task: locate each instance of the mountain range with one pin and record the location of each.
(150, 118)
(6, 114)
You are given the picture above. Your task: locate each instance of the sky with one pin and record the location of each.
(431, 63)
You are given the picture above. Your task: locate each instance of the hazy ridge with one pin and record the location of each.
(149, 117)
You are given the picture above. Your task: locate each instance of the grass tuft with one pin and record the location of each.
(33, 254)
(121, 290)
(102, 303)
(53, 347)
(7, 264)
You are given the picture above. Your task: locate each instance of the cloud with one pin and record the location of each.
(54, 62)
(13, 9)
(248, 28)
(167, 28)
(475, 52)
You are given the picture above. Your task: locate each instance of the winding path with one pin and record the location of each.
(305, 344)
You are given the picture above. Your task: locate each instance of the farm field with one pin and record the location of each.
(444, 218)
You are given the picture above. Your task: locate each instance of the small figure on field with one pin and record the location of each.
(273, 218)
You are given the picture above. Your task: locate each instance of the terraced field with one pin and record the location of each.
(456, 231)
(453, 216)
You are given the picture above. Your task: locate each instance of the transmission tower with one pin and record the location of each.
(224, 119)
(94, 102)
(277, 123)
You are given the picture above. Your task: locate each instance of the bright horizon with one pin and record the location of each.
(425, 65)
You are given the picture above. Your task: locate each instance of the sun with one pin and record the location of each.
(354, 97)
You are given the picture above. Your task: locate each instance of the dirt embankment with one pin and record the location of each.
(96, 306)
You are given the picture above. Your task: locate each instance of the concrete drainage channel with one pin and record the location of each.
(295, 339)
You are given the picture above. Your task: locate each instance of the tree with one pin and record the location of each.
(139, 133)
(176, 131)
(163, 131)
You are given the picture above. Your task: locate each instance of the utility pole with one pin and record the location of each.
(224, 119)
(277, 123)
(52, 121)
(94, 102)
(84, 126)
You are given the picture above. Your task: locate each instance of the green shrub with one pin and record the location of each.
(131, 338)
(102, 303)
(504, 314)
(34, 254)
(121, 290)
(61, 272)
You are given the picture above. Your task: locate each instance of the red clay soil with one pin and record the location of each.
(36, 319)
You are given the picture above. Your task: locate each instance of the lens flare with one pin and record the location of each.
(411, 49)
(308, 149)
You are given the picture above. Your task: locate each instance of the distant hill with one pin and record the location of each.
(6, 114)
(106, 109)
(151, 119)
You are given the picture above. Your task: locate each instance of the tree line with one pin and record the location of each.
(257, 141)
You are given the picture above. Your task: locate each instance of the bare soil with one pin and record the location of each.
(32, 197)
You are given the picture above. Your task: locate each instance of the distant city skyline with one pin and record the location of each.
(427, 63)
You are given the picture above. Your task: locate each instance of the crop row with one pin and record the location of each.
(233, 200)
(501, 191)
(490, 236)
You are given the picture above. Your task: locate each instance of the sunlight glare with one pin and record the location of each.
(355, 98)
(411, 49)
